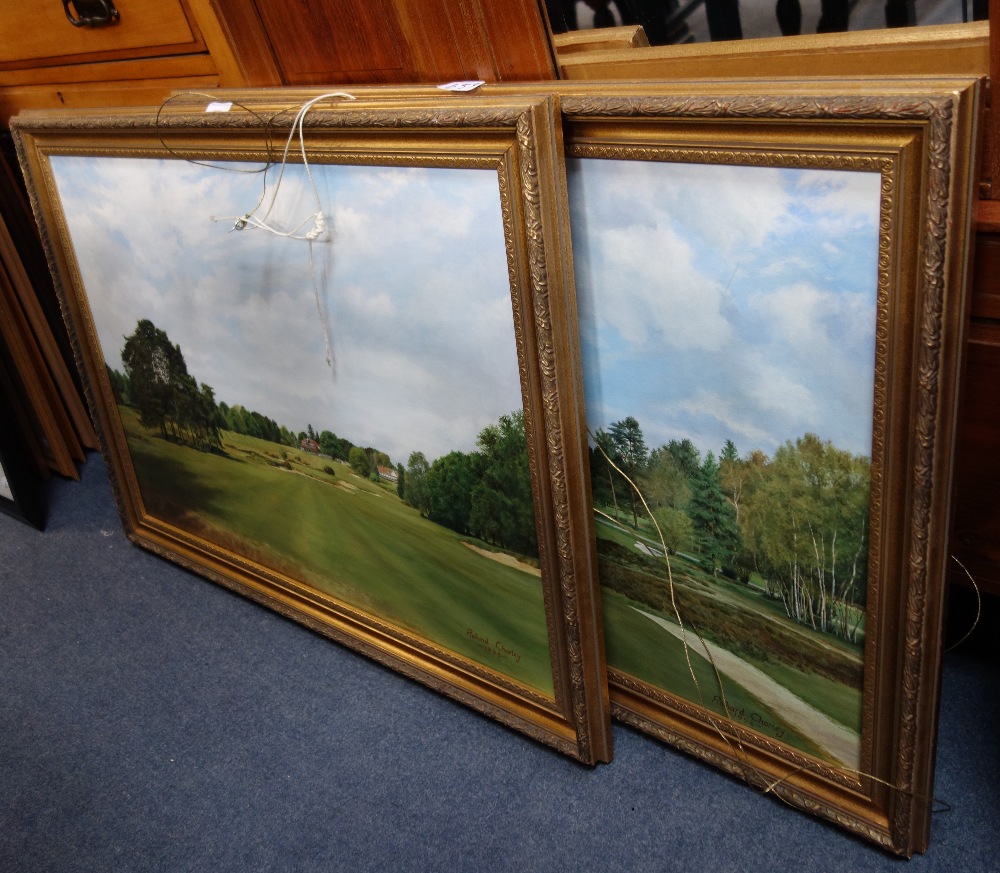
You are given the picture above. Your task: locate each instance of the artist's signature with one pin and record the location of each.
(494, 647)
(751, 717)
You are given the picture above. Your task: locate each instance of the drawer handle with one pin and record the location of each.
(91, 13)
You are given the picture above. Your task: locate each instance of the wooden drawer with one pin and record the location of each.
(38, 34)
(157, 46)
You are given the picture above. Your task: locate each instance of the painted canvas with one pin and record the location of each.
(349, 410)
(728, 318)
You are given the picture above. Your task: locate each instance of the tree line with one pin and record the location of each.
(485, 493)
(156, 382)
(799, 519)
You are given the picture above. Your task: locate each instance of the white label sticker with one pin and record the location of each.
(218, 107)
(462, 86)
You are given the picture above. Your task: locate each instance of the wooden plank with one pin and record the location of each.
(600, 39)
(94, 95)
(112, 71)
(953, 49)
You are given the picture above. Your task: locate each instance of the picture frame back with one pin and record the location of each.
(443, 295)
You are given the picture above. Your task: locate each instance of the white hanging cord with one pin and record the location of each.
(317, 218)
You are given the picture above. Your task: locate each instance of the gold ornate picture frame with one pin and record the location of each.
(373, 428)
(771, 286)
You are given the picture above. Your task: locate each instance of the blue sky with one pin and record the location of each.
(720, 302)
(415, 292)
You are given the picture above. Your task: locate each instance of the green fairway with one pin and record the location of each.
(637, 646)
(350, 538)
(818, 669)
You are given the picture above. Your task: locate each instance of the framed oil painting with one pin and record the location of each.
(347, 387)
(771, 288)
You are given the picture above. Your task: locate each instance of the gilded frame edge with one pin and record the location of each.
(540, 267)
(895, 812)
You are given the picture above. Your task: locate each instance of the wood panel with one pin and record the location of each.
(975, 537)
(348, 38)
(324, 42)
(991, 151)
(985, 276)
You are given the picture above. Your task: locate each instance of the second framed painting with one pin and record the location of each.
(771, 294)
(332, 383)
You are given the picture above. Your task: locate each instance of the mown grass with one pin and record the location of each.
(350, 538)
(639, 647)
(822, 671)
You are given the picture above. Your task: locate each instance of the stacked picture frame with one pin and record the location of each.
(569, 401)
(44, 402)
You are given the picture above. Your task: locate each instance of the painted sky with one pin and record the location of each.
(414, 292)
(721, 302)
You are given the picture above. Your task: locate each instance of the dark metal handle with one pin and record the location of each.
(91, 13)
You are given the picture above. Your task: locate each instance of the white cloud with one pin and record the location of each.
(658, 297)
(703, 403)
(749, 318)
(413, 284)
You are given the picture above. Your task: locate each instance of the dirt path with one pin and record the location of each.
(837, 740)
(508, 560)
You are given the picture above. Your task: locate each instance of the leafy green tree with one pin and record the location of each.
(631, 454)
(664, 483)
(417, 494)
(328, 443)
(358, 460)
(152, 365)
(450, 482)
(675, 527)
(686, 456)
(712, 516)
(806, 525)
(400, 482)
(606, 482)
(167, 396)
(119, 386)
(503, 509)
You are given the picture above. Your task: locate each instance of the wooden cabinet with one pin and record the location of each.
(39, 34)
(153, 48)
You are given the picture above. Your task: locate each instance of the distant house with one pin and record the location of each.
(387, 474)
(308, 445)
